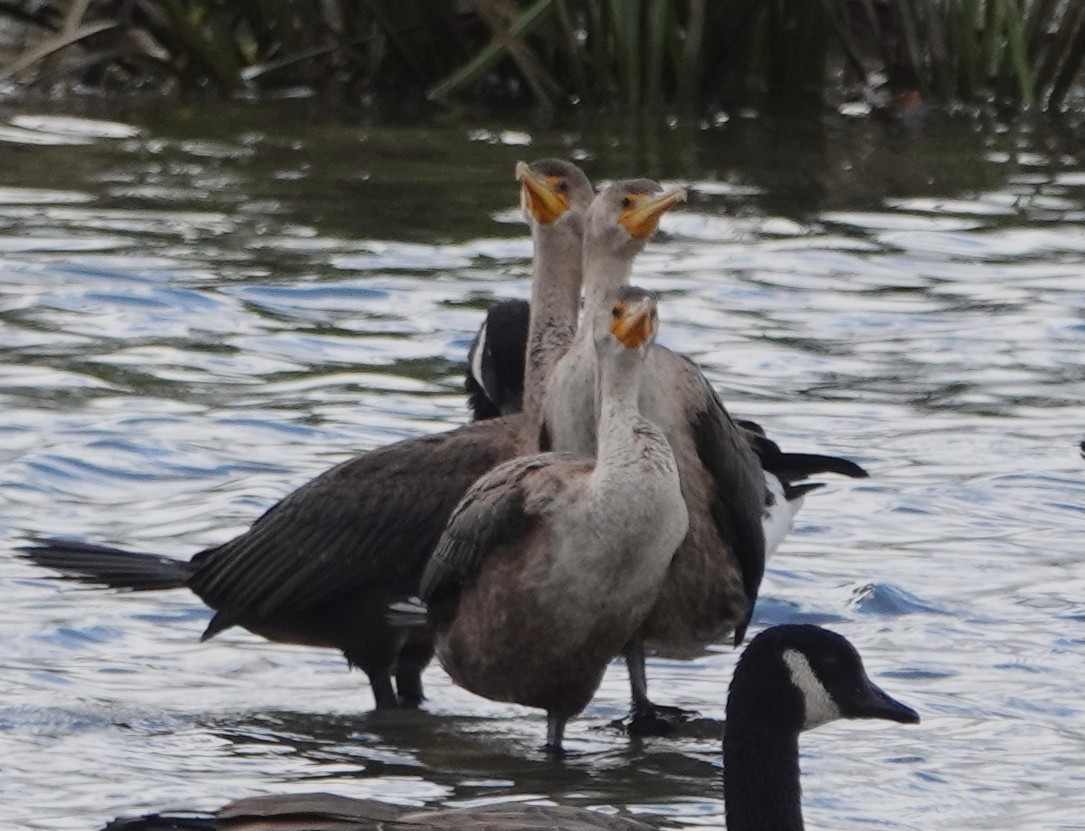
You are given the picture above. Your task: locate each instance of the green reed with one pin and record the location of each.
(624, 54)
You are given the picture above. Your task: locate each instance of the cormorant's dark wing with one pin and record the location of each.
(739, 496)
(370, 522)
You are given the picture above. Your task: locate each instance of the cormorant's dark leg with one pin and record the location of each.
(555, 734)
(646, 718)
(384, 697)
(412, 659)
(409, 687)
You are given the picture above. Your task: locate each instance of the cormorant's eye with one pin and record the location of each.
(627, 202)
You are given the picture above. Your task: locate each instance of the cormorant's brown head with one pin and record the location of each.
(550, 188)
(625, 214)
(634, 318)
(642, 203)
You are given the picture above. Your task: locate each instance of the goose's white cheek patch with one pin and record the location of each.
(476, 359)
(820, 707)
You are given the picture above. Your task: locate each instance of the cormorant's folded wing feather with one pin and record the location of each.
(500, 509)
(739, 495)
(371, 521)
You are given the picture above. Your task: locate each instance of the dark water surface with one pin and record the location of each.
(201, 307)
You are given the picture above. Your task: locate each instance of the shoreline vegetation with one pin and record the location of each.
(694, 56)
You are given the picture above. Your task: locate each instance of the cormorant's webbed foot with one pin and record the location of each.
(648, 719)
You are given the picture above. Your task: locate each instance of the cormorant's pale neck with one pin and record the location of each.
(616, 392)
(604, 271)
(555, 300)
(761, 788)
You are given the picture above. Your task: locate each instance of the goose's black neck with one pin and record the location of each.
(765, 714)
(761, 788)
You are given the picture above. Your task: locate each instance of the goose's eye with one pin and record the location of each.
(831, 665)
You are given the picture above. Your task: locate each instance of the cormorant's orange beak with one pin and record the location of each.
(634, 324)
(642, 217)
(540, 194)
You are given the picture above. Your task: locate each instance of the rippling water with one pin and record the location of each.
(201, 308)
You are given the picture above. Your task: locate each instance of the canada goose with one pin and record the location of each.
(790, 679)
(320, 567)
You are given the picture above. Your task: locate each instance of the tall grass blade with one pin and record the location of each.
(53, 45)
(908, 21)
(659, 23)
(968, 73)
(392, 29)
(843, 35)
(498, 15)
(1016, 53)
(206, 41)
(690, 72)
(992, 39)
(573, 50)
(625, 18)
(1073, 59)
(488, 57)
(597, 39)
(1061, 46)
(1040, 14)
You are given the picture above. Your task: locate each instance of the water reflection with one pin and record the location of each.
(202, 307)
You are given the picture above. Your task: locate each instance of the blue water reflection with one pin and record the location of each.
(199, 311)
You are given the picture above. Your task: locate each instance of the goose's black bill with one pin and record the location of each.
(871, 701)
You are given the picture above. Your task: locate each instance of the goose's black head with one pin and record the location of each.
(495, 361)
(797, 677)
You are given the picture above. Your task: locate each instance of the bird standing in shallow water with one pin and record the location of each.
(790, 679)
(552, 561)
(739, 486)
(712, 583)
(320, 567)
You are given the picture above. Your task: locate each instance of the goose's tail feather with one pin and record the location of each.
(793, 467)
